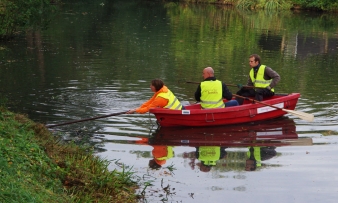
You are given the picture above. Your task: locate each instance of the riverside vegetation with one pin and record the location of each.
(35, 166)
(322, 5)
(21, 15)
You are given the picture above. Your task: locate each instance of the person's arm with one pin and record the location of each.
(226, 92)
(143, 106)
(155, 103)
(249, 82)
(271, 74)
(198, 94)
(147, 103)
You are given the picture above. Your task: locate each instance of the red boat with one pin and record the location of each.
(250, 111)
(276, 132)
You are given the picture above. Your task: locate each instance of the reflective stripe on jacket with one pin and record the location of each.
(211, 94)
(209, 155)
(173, 102)
(259, 81)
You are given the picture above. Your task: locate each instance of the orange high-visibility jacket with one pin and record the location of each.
(154, 101)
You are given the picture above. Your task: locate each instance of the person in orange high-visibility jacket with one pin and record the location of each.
(161, 154)
(162, 98)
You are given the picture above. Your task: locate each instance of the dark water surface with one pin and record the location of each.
(98, 58)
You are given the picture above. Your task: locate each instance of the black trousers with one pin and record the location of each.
(259, 94)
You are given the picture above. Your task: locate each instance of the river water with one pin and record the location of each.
(99, 57)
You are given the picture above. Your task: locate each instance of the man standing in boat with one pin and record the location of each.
(262, 78)
(210, 92)
(162, 98)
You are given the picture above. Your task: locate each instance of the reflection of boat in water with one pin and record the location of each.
(276, 132)
(222, 148)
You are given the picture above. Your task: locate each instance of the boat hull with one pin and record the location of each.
(248, 112)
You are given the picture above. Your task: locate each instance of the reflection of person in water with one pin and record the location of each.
(258, 154)
(161, 154)
(208, 156)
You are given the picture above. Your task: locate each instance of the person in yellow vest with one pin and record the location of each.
(262, 78)
(258, 154)
(161, 154)
(162, 98)
(210, 92)
(207, 155)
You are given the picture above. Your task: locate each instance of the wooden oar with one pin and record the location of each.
(86, 119)
(302, 115)
(298, 142)
(230, 85)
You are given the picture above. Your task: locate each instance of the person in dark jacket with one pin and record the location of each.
(262, 79)
(210, 92)
(207, 155)
(258, 154)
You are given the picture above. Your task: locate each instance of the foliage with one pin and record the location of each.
(245, 4)
(20, 15)
(35, 167)
(275, 4)
(319, 4)
(264, 4)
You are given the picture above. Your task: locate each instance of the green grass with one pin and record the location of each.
(35, 167)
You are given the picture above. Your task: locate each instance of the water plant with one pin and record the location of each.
(264, 4)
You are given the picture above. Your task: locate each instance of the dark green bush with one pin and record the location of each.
(324, 5)
(19, 15)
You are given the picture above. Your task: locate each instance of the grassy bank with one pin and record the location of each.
(36, 167)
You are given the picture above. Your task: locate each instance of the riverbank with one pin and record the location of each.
(37, 167)
(325, 5)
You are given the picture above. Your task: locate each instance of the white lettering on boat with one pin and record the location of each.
(185, 112)
(278, 133)
(268, 108)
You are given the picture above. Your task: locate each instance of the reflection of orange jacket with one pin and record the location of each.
(162, 153)
(154, 101)
(142, 141)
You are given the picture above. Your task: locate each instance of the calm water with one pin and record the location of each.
(98, 58)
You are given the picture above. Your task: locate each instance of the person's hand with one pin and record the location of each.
(239, 86)
(131, 111)
(268, 87)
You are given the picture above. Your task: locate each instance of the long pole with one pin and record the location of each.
(86, 119)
